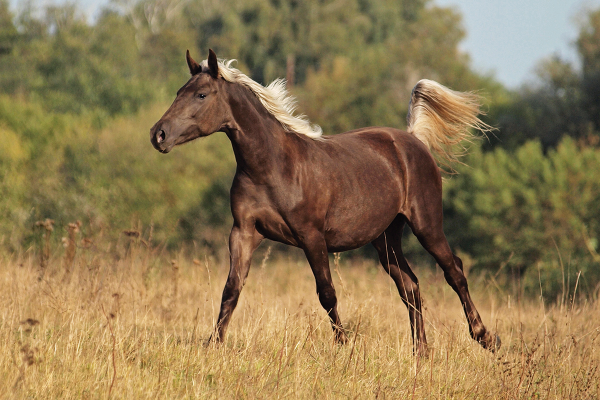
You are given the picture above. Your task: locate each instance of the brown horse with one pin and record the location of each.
(328, 193)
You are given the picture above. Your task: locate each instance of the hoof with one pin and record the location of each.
(341, 338)
(213, 341)
(491, 342)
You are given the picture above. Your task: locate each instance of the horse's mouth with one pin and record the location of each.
(164, 148)
(159, 146)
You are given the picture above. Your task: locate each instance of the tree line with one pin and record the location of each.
(77, 99)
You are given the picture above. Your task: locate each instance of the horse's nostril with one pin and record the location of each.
(161, 136)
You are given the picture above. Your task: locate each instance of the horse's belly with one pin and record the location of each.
(353, 226)
(272, 226)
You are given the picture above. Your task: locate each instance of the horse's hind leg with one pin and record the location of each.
(426, 224)
(389, 248)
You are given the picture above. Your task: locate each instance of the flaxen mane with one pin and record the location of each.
(274, 97)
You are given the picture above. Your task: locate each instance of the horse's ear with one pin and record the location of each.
(193, 65)
(213, 65)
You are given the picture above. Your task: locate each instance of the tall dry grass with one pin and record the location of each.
(131, 323)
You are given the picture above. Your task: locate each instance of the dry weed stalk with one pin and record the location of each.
(30, 354)
(263, 264)
(174, 280)
(70, 243)
(48, 226)
(336, 260)
(114, 345)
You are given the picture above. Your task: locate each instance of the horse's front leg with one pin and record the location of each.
(243, 240)
(315, 249)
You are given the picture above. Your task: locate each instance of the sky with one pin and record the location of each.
(507, 38)
(510, 37)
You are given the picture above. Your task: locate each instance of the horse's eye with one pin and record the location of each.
(201, 96)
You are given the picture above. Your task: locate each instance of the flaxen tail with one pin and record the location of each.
(443, 118)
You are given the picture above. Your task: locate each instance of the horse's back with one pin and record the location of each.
(389, 142)
(376, 149)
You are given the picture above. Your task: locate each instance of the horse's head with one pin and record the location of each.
(198, 110)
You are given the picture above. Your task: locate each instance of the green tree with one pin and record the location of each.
(8, 32)
(521, 212)
(588, 46)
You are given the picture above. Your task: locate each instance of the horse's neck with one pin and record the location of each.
(257, 138)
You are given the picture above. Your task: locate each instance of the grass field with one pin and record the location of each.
(133, 326)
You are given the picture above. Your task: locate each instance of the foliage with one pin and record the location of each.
(62, 168)
(68, 66)
(345, 78)
(534, 216)
(77, 100)
(565, 100)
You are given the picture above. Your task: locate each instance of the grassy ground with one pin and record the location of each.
(133, 327)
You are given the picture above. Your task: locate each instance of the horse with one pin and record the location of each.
(327, 194)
